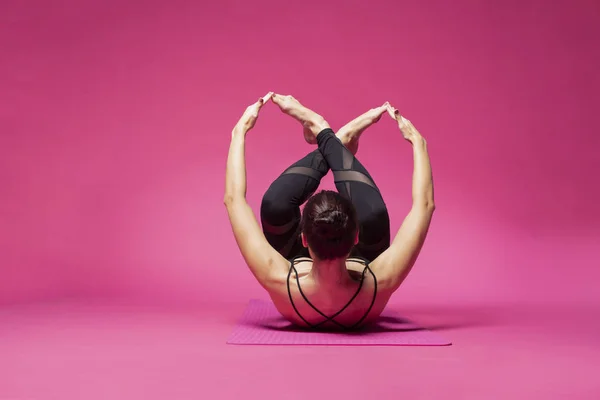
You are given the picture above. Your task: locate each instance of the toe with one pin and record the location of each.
(267, 97)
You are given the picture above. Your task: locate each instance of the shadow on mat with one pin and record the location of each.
(444, 318)
(432, 319)
(383, 324)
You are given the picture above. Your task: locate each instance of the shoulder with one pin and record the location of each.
(378, 270)
(279, 270)
(285, 271)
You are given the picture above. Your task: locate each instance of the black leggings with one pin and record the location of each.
(280, 208)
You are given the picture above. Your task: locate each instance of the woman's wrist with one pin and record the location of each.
(239, 131)
(418, 142)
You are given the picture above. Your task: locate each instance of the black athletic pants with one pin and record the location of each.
(280, 208)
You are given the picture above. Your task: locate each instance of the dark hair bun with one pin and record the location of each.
(331, 225)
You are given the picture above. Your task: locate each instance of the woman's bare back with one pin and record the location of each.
(362, 295)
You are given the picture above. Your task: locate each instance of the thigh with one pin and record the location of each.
(280, 208)
(280, 221)
(373, 220)
(354, 182)
(287, 243)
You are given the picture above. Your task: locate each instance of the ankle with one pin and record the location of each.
(344, 138)
(316, 124)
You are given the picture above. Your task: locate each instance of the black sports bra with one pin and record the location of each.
(293, 261)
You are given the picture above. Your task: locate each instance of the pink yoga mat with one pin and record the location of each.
(261, 324)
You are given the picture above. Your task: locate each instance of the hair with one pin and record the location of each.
(329, 224)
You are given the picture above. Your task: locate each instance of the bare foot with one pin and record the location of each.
(350, 133)
(312, 122)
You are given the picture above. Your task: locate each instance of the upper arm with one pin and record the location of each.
(394, 264)
(262, 259)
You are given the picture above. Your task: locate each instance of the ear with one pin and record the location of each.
(356, 239)
(304, 242)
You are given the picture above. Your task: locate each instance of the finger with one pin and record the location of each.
(261, 102)
(403, 122)
(254, 107)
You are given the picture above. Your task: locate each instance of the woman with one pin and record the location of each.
(331, 266)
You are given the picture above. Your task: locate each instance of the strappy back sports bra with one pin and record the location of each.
(293, 262)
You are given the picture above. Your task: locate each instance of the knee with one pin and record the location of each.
(375, 220)
(274, 209)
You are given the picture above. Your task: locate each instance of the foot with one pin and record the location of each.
(312, 122)
(350, 133)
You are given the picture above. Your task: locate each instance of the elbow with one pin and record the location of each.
(427, 206)
(228, 200)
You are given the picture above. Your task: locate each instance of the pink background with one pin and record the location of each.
(116, 118)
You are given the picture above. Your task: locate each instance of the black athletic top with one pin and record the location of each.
(293, 262)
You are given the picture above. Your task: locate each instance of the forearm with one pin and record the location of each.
(422, 186)
(235, 176)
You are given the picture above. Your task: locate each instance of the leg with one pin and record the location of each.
(349, 134)
(351, 178)
(354, 182)
(280, 207)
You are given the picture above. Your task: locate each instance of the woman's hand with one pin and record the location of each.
(248, 119)
(409, 132)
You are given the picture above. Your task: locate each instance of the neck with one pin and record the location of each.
(330, 272)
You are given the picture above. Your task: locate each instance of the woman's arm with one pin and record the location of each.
(422, 185)
(265, 262)
(235, 174)
(396, 262)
